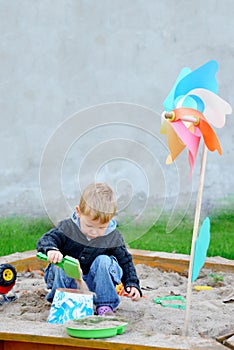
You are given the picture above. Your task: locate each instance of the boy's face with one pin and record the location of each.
(91, 228)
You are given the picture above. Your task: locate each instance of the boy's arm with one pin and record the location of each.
(129, 278)
(52, 240)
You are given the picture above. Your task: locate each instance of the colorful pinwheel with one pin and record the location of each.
(191, 106)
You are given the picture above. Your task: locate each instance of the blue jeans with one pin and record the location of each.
(104, 274)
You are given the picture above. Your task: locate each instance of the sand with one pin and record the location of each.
(211, 313)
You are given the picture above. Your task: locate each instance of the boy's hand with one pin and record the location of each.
(133, 293)
(54, 256)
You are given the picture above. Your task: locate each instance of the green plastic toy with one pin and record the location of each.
(166, 301)
(68, 264)
(95, 327)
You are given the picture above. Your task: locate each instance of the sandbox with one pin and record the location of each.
(19, 331)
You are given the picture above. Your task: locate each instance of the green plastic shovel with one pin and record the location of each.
(70, 265)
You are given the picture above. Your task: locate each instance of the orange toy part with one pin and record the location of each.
(120, 289)
(210, 138)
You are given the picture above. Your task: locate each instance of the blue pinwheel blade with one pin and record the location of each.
(201, 247)
(169, 102)
(203, 77)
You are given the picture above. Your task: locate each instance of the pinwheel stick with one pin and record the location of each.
(195, 234)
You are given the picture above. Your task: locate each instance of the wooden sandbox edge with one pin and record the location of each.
(27, 261)
(227, 340)
(54, 338)
(178, 262)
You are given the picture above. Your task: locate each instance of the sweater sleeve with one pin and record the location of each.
(129, 278)
(52, 240)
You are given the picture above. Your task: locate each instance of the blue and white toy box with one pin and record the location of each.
(70, 304)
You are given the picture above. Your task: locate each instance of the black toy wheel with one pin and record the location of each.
(8, 275)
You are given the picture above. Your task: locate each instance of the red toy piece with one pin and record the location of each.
(7, 281)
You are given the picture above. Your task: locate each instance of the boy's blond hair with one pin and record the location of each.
(98, 201)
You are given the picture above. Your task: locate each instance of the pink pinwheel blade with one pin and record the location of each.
(210, 137)
(191, 140)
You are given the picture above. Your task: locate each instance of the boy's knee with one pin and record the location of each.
(110, 265)
(103, 261)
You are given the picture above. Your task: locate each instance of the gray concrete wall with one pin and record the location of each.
(60, 58)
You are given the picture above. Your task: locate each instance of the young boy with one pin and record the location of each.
(90, 236)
